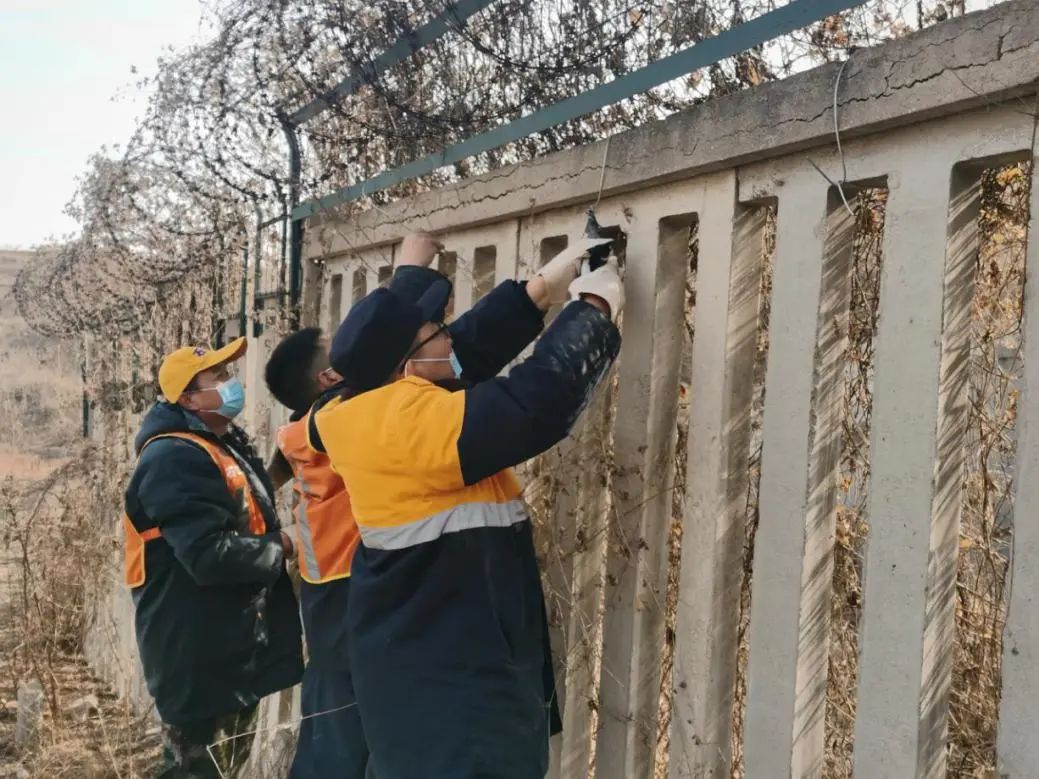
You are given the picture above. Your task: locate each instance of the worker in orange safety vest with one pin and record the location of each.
(331, 744)
(215, 616)
(299, 376)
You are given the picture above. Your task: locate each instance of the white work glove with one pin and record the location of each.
(604, 282)
(562, 269)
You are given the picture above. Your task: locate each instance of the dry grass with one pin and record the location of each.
(25, 467)
(54, 550)
(750, 527)
(47, 578)
(988, 510)
(51, 571)
(106, 741)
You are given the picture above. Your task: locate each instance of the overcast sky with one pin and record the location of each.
(66, 89)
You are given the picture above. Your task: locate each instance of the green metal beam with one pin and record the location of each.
(453, 18)
(793, 16)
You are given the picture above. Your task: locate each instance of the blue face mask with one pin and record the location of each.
(233, 396)
(456, 366)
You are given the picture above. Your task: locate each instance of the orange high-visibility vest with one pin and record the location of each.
(237, 484)
(326, 533)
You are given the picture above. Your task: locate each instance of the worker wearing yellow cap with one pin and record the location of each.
(216, 619)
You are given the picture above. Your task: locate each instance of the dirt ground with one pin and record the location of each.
(86, 733)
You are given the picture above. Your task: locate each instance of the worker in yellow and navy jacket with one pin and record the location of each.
(299, 376)
(216, 619)
(332, 743)
(446, 618)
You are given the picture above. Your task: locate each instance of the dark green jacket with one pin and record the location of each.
(217, 621)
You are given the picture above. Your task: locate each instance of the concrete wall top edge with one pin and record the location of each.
(995, 58)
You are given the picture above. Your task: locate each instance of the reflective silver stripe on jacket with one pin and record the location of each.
(452, 520)
(305, 536)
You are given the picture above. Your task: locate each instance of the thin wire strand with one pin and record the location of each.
(273, 729)
(839, 185)
(836, 123)
(381, 211)
(602, 172)
(837, 137)
(822, 173)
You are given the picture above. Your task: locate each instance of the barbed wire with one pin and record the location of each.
(209, 149)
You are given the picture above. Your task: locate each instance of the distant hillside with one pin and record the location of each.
(10, 263)
(40, 386)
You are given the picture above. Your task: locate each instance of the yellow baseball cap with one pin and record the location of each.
(180, 367)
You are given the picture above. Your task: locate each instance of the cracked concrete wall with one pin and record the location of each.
(971, 83)
(912, 113)
(910, 554)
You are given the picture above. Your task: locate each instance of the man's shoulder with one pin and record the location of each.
(400, 395)
(168, 452)
(292, 431)
(169, 469)
(394, 418)
(407, 400)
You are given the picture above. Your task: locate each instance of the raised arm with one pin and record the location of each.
(505, 421)
(509, 420)
(503, 323)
